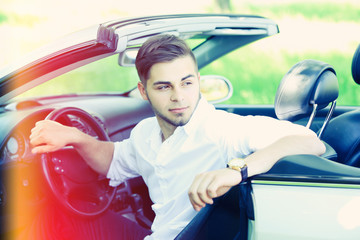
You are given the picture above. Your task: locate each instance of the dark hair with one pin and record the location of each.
(157, 49)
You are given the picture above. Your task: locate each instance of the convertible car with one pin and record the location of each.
(88, 80)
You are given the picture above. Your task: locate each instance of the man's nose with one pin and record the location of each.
(177, 95)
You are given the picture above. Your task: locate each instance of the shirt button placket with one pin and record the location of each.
(161, 162)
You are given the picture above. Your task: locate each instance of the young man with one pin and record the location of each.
(183, 151)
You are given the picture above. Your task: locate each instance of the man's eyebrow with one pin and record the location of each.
(188, 76)
(167, 82)
(161, 82)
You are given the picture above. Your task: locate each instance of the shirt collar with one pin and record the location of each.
(200, 113)
(154, 139)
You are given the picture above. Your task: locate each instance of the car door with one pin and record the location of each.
(306, 197)
(268, 110)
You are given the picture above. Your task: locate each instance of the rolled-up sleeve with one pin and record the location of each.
(248, 134)
(122, 165)
(268, 130)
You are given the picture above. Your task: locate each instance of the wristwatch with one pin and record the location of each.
(239, 164)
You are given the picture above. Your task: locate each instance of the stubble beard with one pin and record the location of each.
(176, 123)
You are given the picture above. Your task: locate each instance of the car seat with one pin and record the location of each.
(306, 88)
(343, 131)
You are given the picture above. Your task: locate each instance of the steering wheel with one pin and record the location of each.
(74, 184)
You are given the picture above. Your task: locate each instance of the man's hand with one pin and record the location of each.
(50, 136)
(209, 185)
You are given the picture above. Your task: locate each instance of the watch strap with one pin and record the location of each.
(244, 174)
(239, 164)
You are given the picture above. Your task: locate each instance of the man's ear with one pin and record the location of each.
(142, 90)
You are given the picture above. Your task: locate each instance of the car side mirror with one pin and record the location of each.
(127, 58)
(215, 88)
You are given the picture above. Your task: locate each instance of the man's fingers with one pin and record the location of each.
(196, 206)
(38, 139)
(193, 194)
(35, 140)
(47, 136)
(209, 185)
(199, 193)
(42, 149)
(203, 190)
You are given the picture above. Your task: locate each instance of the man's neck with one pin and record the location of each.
(166, 132)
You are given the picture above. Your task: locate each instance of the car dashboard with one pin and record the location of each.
(118, 118)
(20, 168)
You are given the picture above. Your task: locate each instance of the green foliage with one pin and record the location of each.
(255, 75)
(323, 10)
(254, 72)
(99, 76)
(27, 20)
(3, 17)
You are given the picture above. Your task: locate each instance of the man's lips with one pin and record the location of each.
(178, 110)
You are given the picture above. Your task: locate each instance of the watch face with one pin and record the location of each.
(237, 163)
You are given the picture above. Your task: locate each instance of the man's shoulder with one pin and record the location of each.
(147, 123)
(145, 127)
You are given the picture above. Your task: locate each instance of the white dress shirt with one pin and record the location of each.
(207, 142)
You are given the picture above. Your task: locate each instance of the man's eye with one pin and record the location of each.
(162, 87)
(187, 83)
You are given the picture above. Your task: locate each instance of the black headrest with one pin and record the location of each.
(355, 66)
(306, 83)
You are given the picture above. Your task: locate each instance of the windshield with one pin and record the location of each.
(104, 76)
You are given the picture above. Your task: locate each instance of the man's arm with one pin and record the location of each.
(209, 185)
(49, 136)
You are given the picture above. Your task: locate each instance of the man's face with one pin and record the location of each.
(173, 91)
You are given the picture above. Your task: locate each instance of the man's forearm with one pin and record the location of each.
(261, 161)
(98, 154)
(50, 136)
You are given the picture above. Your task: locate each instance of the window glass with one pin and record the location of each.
(255, 72)
(104, 75)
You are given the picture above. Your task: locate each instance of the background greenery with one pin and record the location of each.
(255, 75)
(259, 71)
(255, 70)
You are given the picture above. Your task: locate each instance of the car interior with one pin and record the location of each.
(345, 127)
(89, 194)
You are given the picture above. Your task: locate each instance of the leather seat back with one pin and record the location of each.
(343, 132)
(306, 84)
(307, 87)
